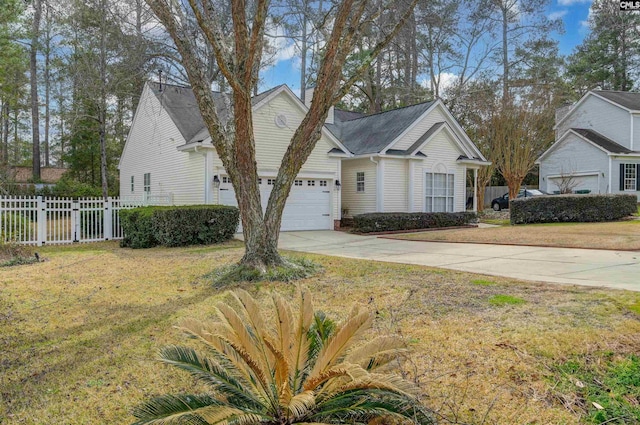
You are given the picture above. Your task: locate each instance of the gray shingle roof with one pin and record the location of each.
(373, 133)
(437, 126)
(630, 100)
(180, 103)
(342, 115)
(602, 141)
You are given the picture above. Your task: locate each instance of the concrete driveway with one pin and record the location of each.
(613, 269)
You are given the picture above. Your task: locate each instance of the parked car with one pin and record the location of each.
(502, 202)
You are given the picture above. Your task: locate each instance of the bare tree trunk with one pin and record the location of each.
(47, 85)
(505, 55)
(33, 69)
(303, 54)
(4, 153)
(102, 114)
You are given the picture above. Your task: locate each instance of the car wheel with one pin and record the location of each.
(496, 206)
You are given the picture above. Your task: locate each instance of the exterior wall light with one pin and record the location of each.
(337, 184)
(216, 181)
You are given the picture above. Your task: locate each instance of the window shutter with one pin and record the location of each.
(621, 177)
(637, 177)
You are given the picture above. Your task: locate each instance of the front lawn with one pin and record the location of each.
(620, 235)
(80, 331)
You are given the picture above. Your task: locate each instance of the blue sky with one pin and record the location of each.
(574, 14)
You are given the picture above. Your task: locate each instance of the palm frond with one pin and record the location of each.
(299, 369)
(362, 405)
(377, 352)
(245, 344)
(173, 409)
(301, 341)
(210, 372)
(301, 404)
(340, 342)
(283, 325)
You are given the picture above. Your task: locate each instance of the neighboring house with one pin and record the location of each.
(409, 159)
(597, 146)
(49, 176)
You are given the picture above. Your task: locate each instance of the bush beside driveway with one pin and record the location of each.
(620, 235)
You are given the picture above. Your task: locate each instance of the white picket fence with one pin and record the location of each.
(41, 220)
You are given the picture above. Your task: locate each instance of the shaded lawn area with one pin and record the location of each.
(79, 334)
(620, 235)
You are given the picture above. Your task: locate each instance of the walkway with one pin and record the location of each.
(613, 269)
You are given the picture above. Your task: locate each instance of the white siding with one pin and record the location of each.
(601, 116)
(395, 185)
(435, 116)
(151, 148)
(442, 154)
(615, 174)
(154, 138)
(358, 202)
(636, 132)
(574, 155)
(273, 141)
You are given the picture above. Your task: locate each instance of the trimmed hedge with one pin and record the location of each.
(146, 227)
(572, 208)
(389, 222)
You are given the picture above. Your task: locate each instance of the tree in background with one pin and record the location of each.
(13, 58)
(475, 107)
(609, 57)
(239, 56)
(519, 135)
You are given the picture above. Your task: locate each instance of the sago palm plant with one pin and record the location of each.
(292, 368)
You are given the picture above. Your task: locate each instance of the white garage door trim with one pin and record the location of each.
(583, 178)
(309, 206)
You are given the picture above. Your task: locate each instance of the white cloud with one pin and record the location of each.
(447, 79)
(585, 25)
(284, 46)
(558, 14)
(572, 2)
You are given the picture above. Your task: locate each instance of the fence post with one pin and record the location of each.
(108, 222)
(41, 206)
(75, 220)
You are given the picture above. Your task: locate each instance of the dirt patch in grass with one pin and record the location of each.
(620, 235)
(79, 333)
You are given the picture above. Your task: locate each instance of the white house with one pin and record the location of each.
(597, 146)
(409, 159)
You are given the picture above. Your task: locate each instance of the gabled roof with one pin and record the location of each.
(342, 115)
(181, 105)
(602, 141)
(370, 134)
(628, 100)
(433, 130)
(594, 138)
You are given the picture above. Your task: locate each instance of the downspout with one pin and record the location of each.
(379, 185)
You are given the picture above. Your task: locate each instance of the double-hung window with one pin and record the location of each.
(360, 181)
(147, 182)
(439, 192)
(133, 187)
(630, 177)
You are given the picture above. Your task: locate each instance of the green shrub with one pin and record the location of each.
(194, 225)
(572, 208)
(178, 226)
(386, 222)
(13, 225)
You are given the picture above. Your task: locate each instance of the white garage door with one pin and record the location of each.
(589, 182)
(308, 206)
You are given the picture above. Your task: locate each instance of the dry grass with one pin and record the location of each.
(620, 235)
(79, 332)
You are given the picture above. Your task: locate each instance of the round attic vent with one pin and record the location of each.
(281, 120)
